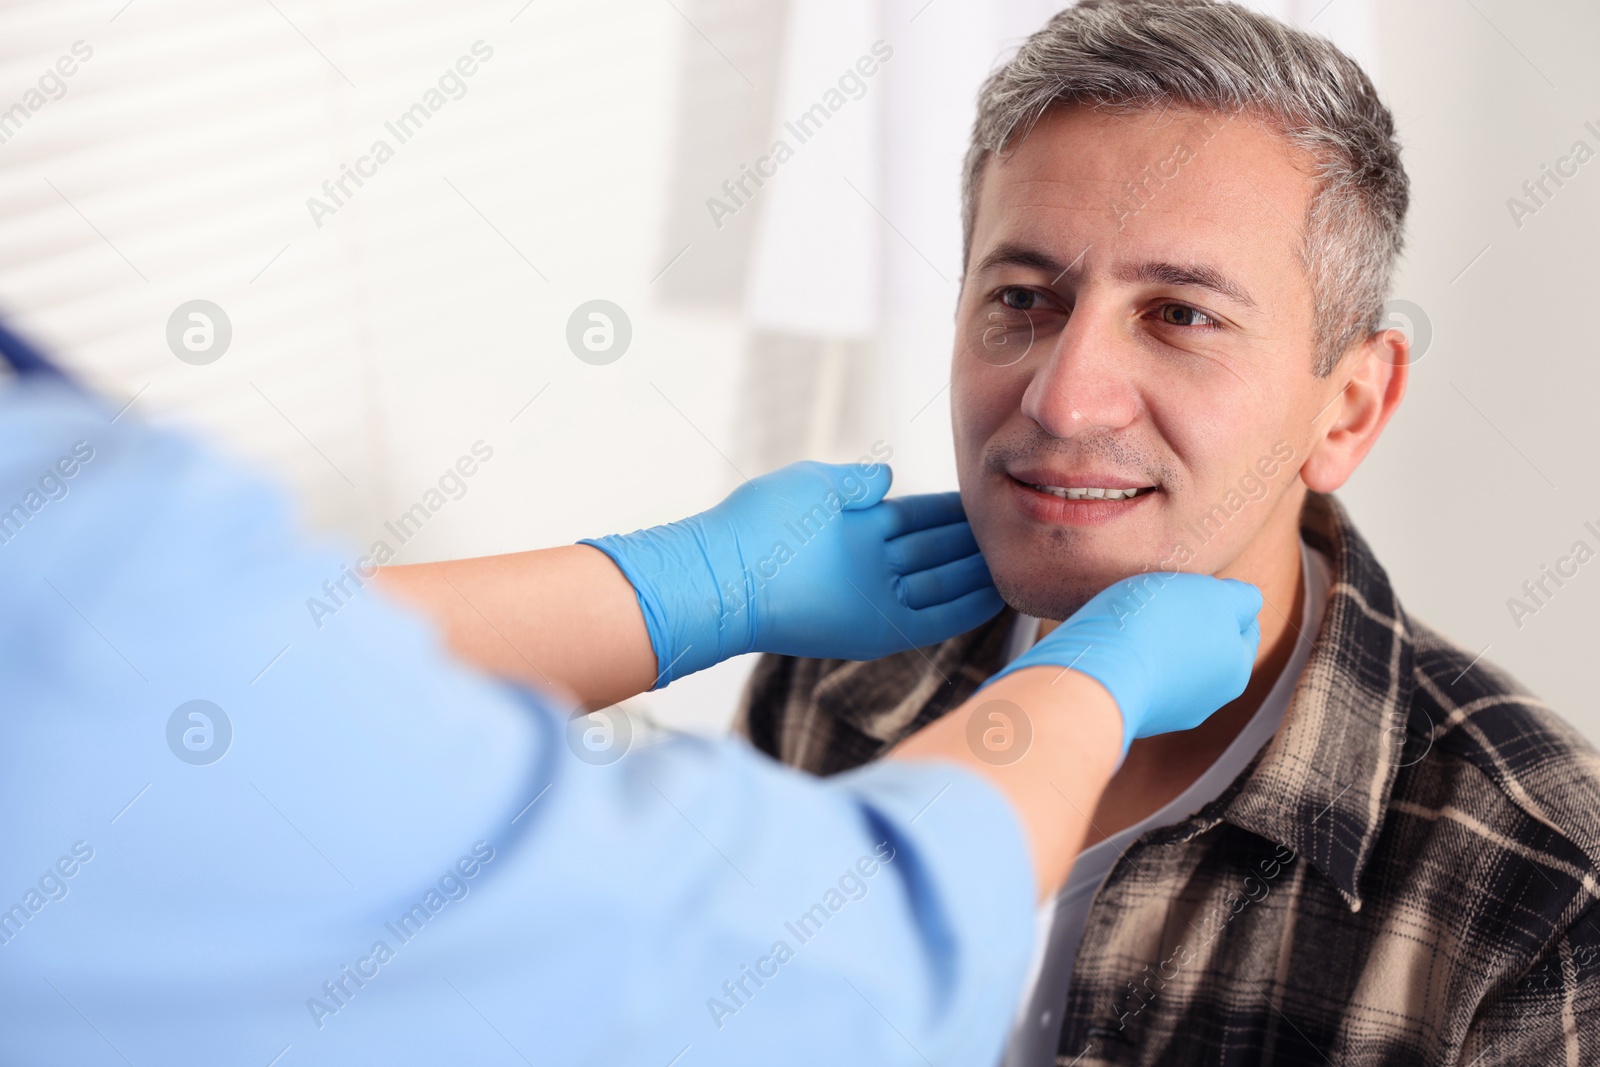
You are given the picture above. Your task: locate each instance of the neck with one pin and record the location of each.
(1157, 769)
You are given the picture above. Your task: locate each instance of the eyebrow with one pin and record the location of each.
(1018, 255)
(1191, 275)
(1195, 275)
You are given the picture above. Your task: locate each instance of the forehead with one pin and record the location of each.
(1165, 183)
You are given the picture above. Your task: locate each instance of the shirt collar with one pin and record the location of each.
(1321, 786)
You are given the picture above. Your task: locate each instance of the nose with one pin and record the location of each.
(1084, 382)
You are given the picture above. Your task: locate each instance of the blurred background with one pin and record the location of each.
(543, 154)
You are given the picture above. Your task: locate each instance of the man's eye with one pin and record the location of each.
(1184, 315)
(1020, 299)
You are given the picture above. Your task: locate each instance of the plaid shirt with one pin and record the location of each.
(1405, 874)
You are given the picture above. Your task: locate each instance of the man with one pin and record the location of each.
(1180, 224)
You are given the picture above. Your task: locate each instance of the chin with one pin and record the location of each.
(1058, 601)
(1064, 593)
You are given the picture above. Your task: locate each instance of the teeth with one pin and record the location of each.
(1091, 493)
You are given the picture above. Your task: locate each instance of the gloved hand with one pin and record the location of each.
(1170, 648)
(809, 560)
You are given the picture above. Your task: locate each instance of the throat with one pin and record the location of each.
(1159, 769)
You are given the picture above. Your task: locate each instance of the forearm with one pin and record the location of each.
(1076, 737)
(554, 617)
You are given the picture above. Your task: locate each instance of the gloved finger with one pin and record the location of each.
(1246, 602)
(939, 585)
(929, 626)
(1252, 636)
(929, 548)
(907, 514)
(848, 478)
(810, 482)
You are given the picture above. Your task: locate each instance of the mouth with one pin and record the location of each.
(1077, 499)
(1090, 492)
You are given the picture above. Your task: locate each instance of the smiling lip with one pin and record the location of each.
(1031, 489)
(1093, 483)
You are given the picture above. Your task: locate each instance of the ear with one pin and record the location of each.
(1368, 386)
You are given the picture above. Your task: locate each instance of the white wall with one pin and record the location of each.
(427, 312)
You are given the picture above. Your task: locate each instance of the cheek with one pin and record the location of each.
(1199, 431)
(982, 399)
(1218, 503)
(967, 415)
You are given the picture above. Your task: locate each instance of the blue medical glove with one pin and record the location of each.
(1170, 648)
(809, 560)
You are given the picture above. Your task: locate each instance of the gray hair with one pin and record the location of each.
(1132, 55)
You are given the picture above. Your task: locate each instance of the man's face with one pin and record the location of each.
(1135, 315)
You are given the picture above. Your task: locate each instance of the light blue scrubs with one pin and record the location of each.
(396, 860)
